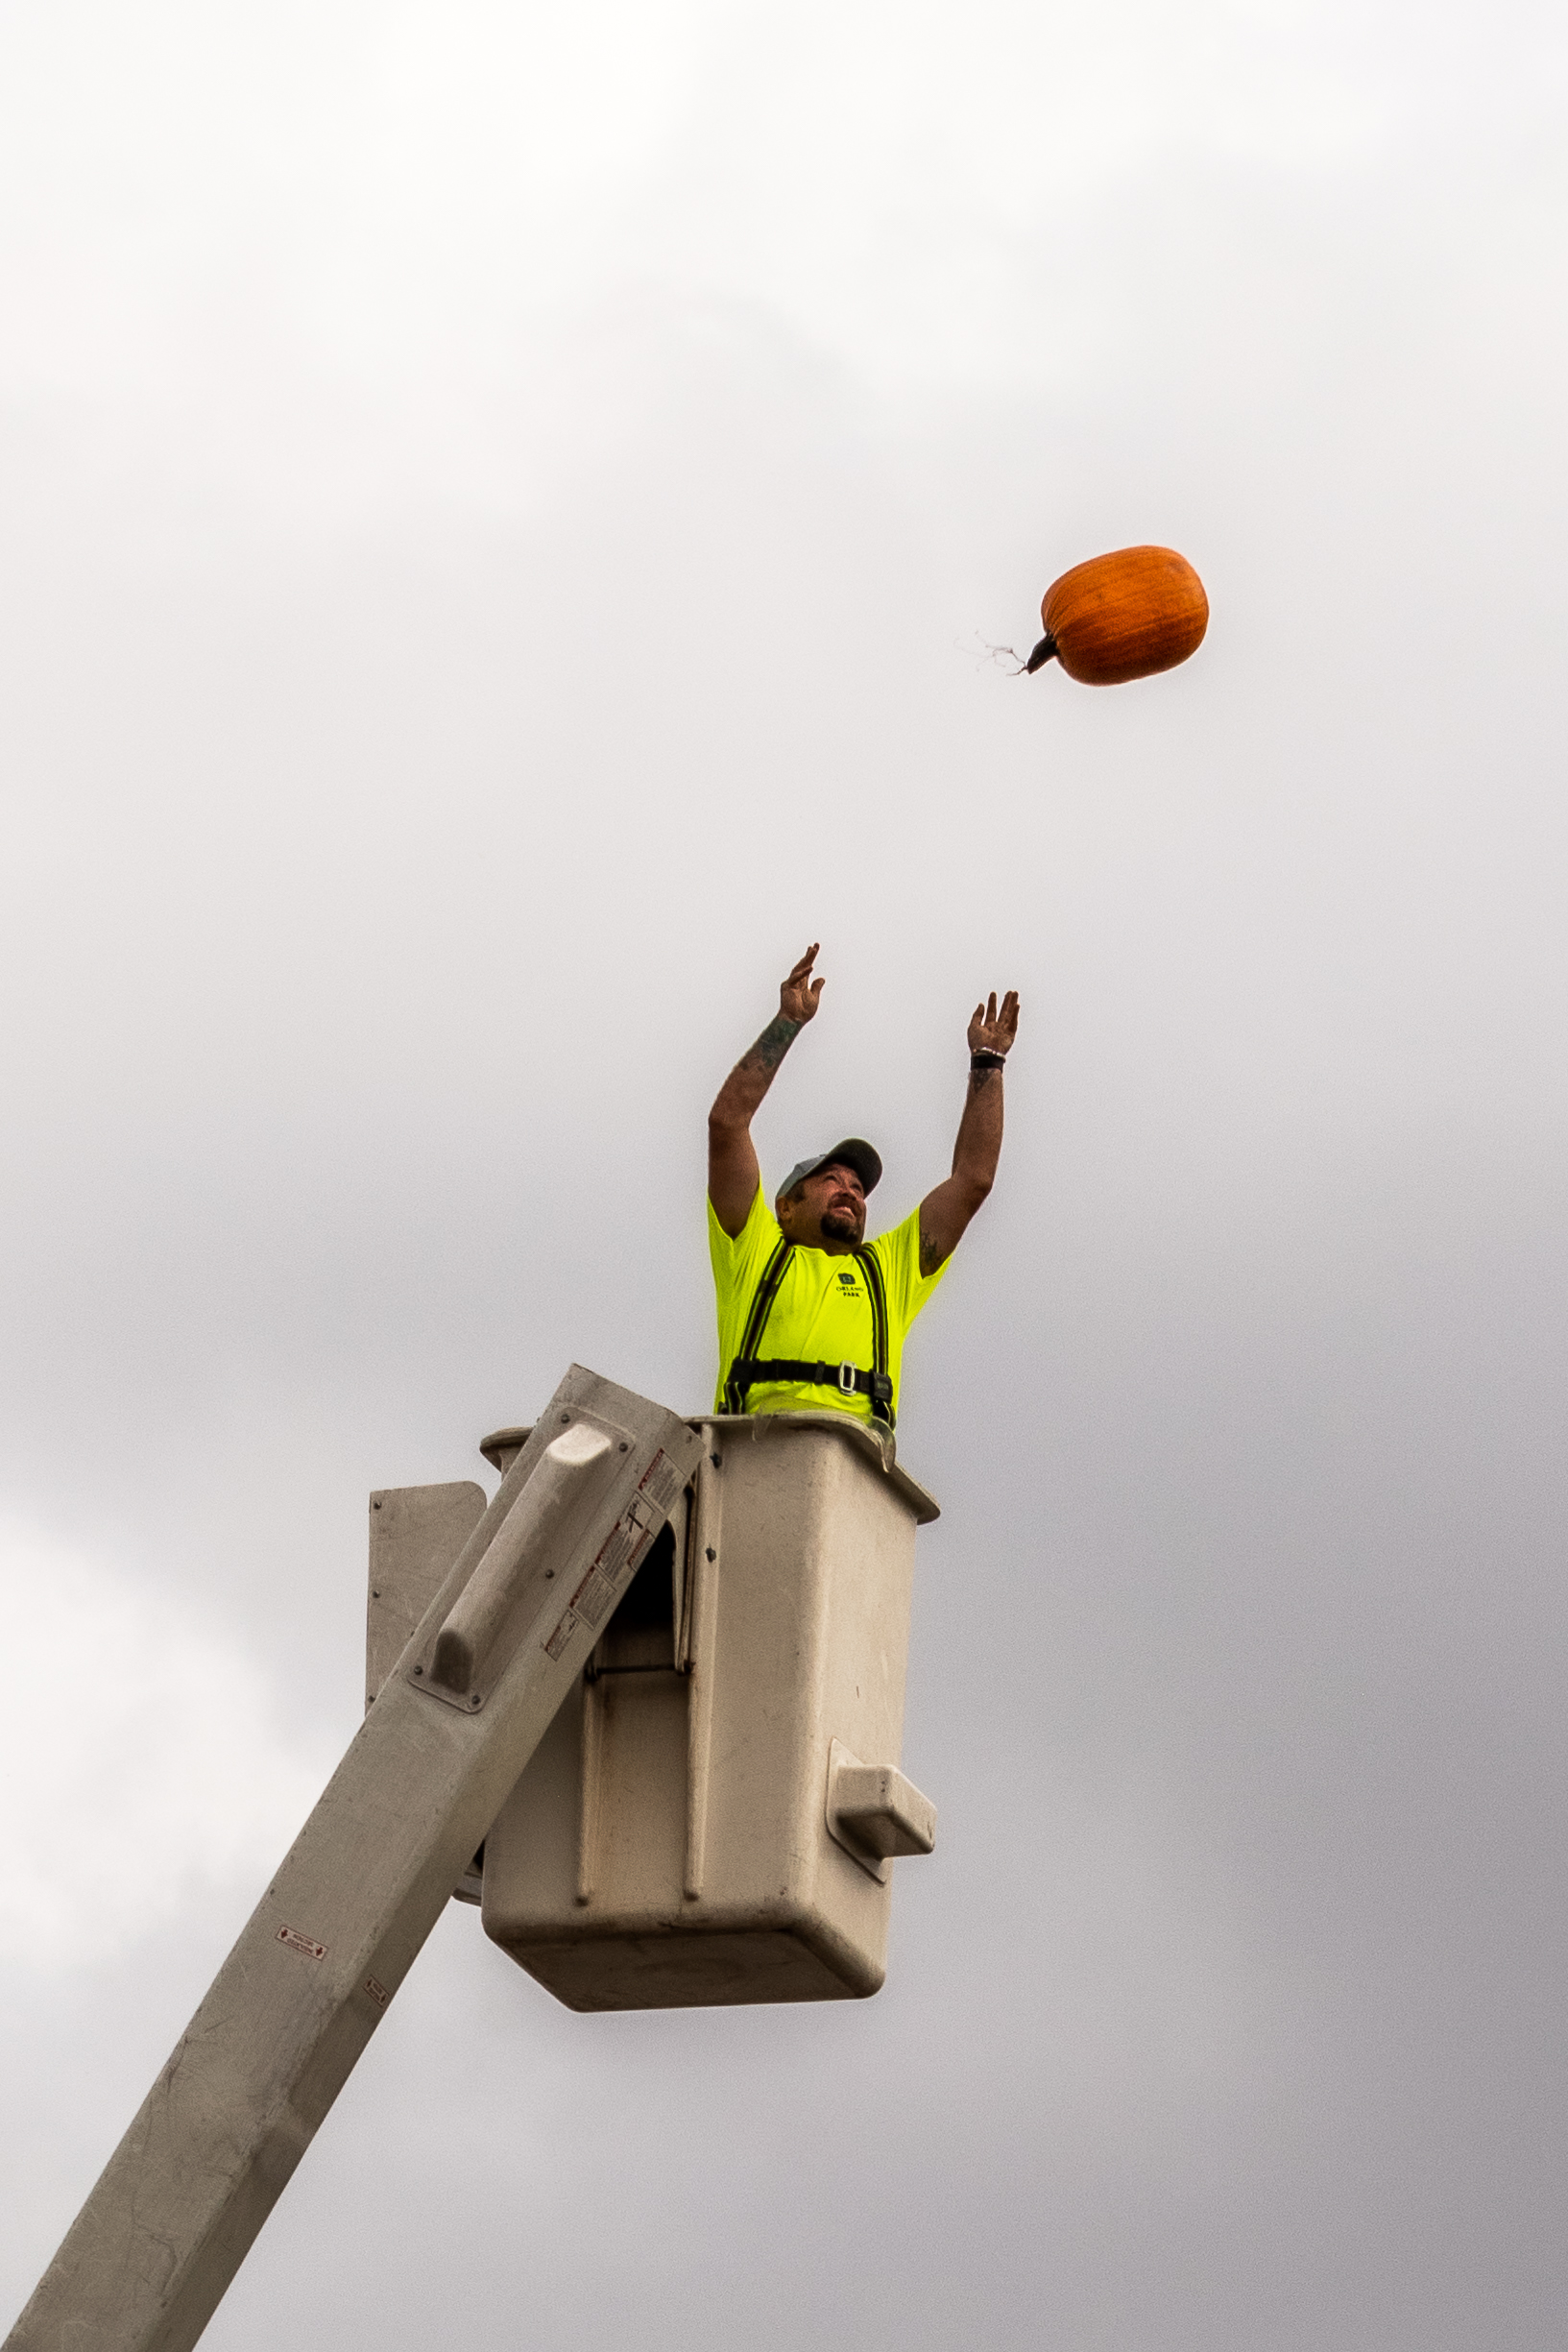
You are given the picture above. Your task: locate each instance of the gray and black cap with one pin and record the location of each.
(851, 1153)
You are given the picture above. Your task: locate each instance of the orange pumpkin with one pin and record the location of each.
(1123, 616)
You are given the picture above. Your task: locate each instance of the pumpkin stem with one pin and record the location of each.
(1044, 652)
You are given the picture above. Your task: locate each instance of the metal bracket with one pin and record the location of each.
(874, 1812)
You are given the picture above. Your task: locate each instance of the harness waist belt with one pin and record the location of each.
(846, 1378)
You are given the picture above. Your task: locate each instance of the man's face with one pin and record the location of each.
(830, 1211)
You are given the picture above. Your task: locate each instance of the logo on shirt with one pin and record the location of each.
(848, 1280)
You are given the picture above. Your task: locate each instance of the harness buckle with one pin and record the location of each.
(846, 1379)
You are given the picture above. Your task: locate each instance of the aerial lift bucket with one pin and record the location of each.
(711, 1817)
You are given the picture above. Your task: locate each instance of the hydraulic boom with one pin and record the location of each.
(179, 2205)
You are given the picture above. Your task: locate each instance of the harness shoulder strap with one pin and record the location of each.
(881, 1404)
(762, 1308)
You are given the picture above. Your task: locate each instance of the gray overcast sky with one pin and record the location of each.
(500, 510)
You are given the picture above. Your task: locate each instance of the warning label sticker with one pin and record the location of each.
(594, 1598)
(377, 1991)
(625, 1546)
(622, 1548)
(306, 1944)
(661, 1481)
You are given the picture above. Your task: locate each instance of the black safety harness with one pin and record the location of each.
(847, 1379)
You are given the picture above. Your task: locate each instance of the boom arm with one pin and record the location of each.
(174, 2213)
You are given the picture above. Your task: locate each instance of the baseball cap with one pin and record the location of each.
(851, 1153)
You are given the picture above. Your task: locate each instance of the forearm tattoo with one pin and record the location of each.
(981, 1077)
(775, 1041)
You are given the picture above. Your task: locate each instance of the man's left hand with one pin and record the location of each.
(993, 1031)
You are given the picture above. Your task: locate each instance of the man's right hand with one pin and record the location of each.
(732, 1172)
(799, 995)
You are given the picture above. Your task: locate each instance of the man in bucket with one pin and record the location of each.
(810, 1316)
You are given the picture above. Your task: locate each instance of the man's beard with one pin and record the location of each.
(841, 1225)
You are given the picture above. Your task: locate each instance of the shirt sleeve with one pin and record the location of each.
(898, 1253)
(739, 1262)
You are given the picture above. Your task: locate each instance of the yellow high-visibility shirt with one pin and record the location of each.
(822, 1311)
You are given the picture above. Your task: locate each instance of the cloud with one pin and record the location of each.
(141, 1757)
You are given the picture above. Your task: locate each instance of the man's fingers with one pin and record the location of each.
(992, 1021)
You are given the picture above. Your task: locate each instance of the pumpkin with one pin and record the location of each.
(1123, 616)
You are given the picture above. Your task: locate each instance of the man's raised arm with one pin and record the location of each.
(732, 1172)
(946, 1212)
